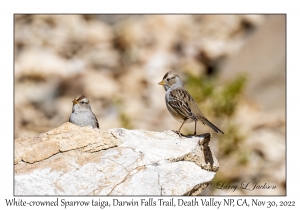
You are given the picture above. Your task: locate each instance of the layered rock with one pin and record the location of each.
(72, 160)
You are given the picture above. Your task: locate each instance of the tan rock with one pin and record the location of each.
(64, 138)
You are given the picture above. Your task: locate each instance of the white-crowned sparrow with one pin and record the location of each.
(82, 114)
(180, 103)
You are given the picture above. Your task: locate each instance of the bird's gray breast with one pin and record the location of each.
(83, 119)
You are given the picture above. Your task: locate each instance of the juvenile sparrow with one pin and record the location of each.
(82, 114)
(180, 103)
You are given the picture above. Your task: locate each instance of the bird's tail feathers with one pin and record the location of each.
(215, 128)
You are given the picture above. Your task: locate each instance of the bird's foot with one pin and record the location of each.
(177, 132)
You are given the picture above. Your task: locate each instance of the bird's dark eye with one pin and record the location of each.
(82, 102)
(168, 79)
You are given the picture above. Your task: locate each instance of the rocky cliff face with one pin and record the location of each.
(72, 160)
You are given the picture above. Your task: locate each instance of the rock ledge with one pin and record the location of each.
(72, 160)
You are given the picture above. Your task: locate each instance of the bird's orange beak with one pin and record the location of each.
(162, 83)
(75, 102)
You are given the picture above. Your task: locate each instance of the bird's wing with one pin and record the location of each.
(97, 124)
(179, 100)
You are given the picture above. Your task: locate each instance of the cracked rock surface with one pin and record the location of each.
(72, 160)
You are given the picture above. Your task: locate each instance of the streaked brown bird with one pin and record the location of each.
(181, 104)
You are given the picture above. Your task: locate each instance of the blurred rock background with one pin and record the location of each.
(233, 65)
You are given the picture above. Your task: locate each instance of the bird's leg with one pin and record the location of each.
(195, 128)
(181, 127)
